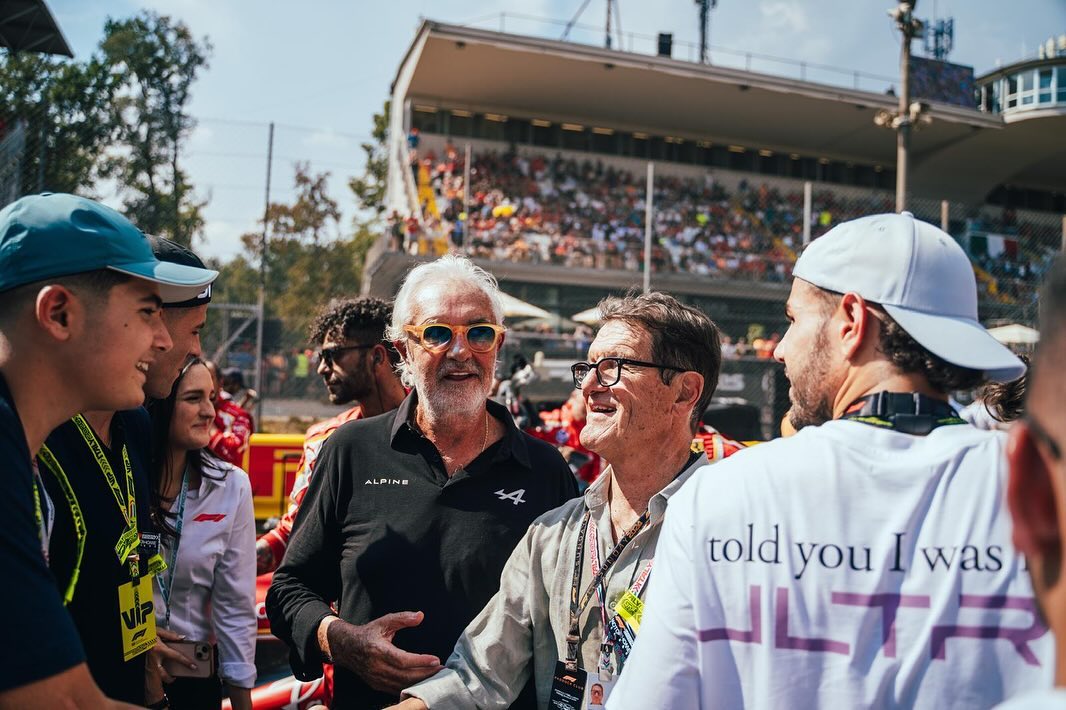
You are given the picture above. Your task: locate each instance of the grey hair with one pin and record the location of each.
(450, 268)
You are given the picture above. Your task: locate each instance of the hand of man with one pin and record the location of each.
(369, 652)
(155, 674)
(264, 557)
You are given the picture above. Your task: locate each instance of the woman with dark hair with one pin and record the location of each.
(203, 506)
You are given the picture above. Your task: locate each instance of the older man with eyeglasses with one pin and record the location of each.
(411, 515)
(570, 601)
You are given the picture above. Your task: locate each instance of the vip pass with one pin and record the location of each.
(570, 683)
(135, 606)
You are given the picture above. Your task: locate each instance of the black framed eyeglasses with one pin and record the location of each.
(329, 355)
(609, 369)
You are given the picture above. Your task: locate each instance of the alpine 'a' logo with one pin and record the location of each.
(515, 497)
(385, 482)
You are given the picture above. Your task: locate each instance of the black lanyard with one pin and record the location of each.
(573, 639)
(907, 412)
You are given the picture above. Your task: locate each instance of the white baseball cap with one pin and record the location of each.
(922, 278)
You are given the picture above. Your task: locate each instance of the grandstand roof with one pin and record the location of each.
(962, 155)
(28, 25)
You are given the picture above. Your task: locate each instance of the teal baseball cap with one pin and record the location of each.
(54, 234)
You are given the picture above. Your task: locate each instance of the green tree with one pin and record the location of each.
(369, 188)
(309, 261)
(158, 59)
(61, 109)
(238, 281)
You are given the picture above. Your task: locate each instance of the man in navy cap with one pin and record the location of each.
(74, 276)
(184, 318)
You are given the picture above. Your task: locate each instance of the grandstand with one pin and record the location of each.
(558, 136)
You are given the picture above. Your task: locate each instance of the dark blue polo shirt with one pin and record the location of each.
(39, 638)
(95, 607)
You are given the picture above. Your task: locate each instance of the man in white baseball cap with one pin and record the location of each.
(867, 560)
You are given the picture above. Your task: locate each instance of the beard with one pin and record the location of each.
(444, 398)
(811, 399)
(342, 390)
(354, 382)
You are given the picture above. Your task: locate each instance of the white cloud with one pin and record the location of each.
(327, 138)
(784, 15)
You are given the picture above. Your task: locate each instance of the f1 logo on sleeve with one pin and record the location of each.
(515, 497)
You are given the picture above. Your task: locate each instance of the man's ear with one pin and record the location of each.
(1032, 496)
(58, 311)
(688, 394)
(401, 347)
(853, 323)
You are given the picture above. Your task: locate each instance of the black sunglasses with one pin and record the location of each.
(609, 370)
(329, 355)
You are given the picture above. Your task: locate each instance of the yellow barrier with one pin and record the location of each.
(271, 462)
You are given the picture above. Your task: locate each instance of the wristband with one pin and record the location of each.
(161, 704)
(327, 657)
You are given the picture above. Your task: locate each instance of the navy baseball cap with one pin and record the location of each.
(54, 234)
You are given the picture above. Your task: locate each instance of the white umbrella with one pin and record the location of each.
(553, 320)
(515, 308)
(589, 316)
(1015, 334)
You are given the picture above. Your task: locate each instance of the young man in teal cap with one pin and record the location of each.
(83, 463)
(80, 299)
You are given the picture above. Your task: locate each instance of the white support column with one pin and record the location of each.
(649, 211)
(806, 213)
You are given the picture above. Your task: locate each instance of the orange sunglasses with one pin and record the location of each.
(436, 337)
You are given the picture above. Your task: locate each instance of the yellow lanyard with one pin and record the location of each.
(49, 460)
(130, 538)
(38, 515)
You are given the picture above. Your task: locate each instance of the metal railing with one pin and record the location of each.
(640, 43)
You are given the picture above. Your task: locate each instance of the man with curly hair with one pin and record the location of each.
(357, 365)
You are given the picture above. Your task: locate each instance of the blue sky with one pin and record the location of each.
(320, 68)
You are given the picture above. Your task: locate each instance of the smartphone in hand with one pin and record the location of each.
(199, 652)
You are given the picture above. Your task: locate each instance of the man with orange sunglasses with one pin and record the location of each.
(412, 514)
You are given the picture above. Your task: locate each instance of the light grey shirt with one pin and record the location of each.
(523, 628)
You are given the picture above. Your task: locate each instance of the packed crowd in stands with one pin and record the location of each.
(585, 214)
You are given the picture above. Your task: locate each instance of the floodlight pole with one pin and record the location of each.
(910, 27)
(607, 42)
(262, 284)
(705, 11)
